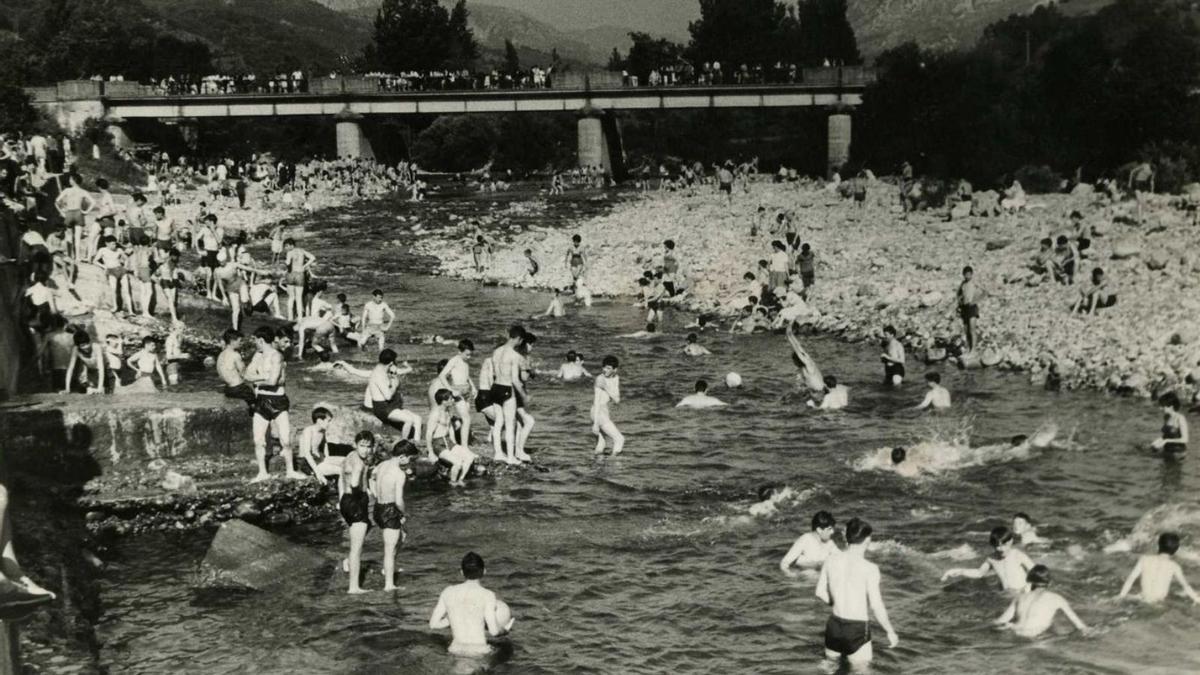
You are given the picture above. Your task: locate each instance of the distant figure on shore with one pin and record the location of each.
(1157, 572)
(701, 398)
(968, 305)
(471, 612)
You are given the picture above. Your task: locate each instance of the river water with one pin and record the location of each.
(653, 562)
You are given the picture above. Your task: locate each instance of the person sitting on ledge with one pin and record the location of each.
(1094, 295)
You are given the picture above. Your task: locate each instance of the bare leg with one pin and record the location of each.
(599, 439)
(358, 532)
(617, 437)
(523, 432)
(390, 539)
(262, 427)
(497, 434)
(510, 428)
(463, 408)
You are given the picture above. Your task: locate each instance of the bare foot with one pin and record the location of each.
(499, 458)
(33, 588)
(512, 460)
(260, 478)
(524, 456)
(355, 591)
(390, 588)
(296, 475)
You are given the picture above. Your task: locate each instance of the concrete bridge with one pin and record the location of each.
(595, 98)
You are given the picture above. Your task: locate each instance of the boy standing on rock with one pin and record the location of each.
(387, 484)
(968, 305)
(267, 372)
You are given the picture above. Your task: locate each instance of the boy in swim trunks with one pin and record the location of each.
(377, 319)
(1033, 612)
(387, 486)
(313, 444)
(73, 204)
(968, 305)
(576, 258)
(506, 370)
(607, 390)
(353, 502)
(850, 585)
(440, 441)
(1010, 563)
(383, 397)
(811, 549)
(470, 612)
(267, 372)
(457, 376)
(893, 357)
(111, 259)
(1158, 571)
(298, 263)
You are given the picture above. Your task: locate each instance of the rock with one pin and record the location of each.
(997, 244)
(960, 210)
(1083, 190)
(931, 299)
(1157, 261)
(246, 509)
(245, 555)
(990, 358)
(986, 203)
(178, 482)
(1126, 248)
(865, 291)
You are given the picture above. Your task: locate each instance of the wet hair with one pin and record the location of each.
(889, 330)
(576, 238)
(472, 564)
(82, 338)
(935, 378)
(669, 244)
(611, 361)
(748, 276)
(643, 281)
(442, 395)
(1046, 241)
(139, 198)
(377, 292)
(701, 386)
(691, 337)
(778, 245)
(210, 218)
(284, 333)
(805, 248)
(1038, 577)
(466, 345)
(578, 356)
(899, 455)
(763, 263)
(1023, 516)
(1097, 273)
(830, 382)
(1061, 240)
(387, 356)
(289, 242)
(702, 320)
(1000, 535)
(149, 340)
(230, 335)
(1168, 542)
(159, 209)
(857, 531)
(823, 519)
(1018, 439)
(569, 356)
(321, 414)
(1169, 400)
(516, 331)
(405, 448)
(108, 240)
(341, 297)
(968, 270)
(364, 436)
(264, 333)
(102, 183)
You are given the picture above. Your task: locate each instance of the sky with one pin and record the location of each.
(657, 17)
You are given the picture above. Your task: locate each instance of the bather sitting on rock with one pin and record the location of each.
(1094, 295)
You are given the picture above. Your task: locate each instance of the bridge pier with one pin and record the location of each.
(120, 139)
(351, 141)
(599, 138)
(838, 136)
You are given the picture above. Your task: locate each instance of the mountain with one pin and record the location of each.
(602, 39)
(267, 35)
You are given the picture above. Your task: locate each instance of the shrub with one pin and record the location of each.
(1039, 179)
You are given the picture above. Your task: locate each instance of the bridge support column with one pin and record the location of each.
(189, 128)
(120, 139)
(351, 141)
(839, 141)
(600, 142)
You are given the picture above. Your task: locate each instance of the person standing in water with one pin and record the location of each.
(1157, 572)
(968, 305)
(938, 397)
(701, 398)
(850, 585)
(1033, 612)
(1174, 439)
(353, 502)
(387, 485)
(893, 357)
(506, 370)
(470, 611)
(457, 376)
(811, 549)
(607, 389)
(1010, 563)
(298, 262)
(576, 258)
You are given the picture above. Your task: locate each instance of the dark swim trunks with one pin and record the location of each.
(727, 188)
(500, 393)
(389, 517)
(483, 400)
(381, 409)
(353, 507)
(808, 278)
(968, 311)
(242, 392)
(890, 369)
(846, 637)
(270, 406)
(209, 259)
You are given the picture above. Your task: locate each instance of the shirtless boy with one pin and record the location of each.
(938, 396)
(298, 262)
(387, 485)
(694, 348)
(383, 398)
(850, 585)
(811, 549)
(267, 372)
(457, 377)
(968, 305)
(893, 357)
(470, 611)
(353, 501)
(377, 319)
(1010, 563)
(572, 368)
(1158, 571)
(576, 258)
(607, 389)
(506, 386)
(313, 447)
(232, 369)
(1032, 612)
(700, 399)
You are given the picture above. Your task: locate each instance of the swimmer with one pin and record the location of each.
(649, 332)
(938, 396)
(1010, 563)
(572, 368)
(607, 389)
(700, 324)
(849, 583)
(352, 503)
(470, 611)
(892, 357)
(1025, 529)
(811, 549)
(1033, 612)
(312, 444)
(555, 309)
(693, 348)
(810, 373)
(899, 464)
(701, 399)
(836, 396)
(1158, 571)
(387, 486)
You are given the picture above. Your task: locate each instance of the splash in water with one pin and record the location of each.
(1183, 519)
(947, 452)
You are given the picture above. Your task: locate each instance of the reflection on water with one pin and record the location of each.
(658, 561)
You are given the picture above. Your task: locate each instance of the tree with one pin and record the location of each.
(648, 54)
(456, 143)
(824, 33)
(464, 48)
(512, 61)
(615, 63)
(735, 32)
(421, 35)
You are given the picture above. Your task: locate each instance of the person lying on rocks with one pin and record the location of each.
(1094, 295)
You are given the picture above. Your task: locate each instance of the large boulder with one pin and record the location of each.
(1126, 248)
(244, 555)
(960, 210)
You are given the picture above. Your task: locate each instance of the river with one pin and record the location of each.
(651, 562)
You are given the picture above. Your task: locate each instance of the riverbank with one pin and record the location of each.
(876, 266)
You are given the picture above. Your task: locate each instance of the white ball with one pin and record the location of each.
(503, 614)
(733, 380)
(209, 362)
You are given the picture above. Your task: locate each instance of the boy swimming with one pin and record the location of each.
(700, 399)
(811, 549)
(1010, 563)
(1157, 572)
(1033, 611)
(694, 348)
(470, 611)
(938, 396)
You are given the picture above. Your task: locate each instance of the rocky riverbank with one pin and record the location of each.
(878, 266)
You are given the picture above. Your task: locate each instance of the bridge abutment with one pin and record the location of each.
(838, 135)
(600, 144)
(351, 140)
